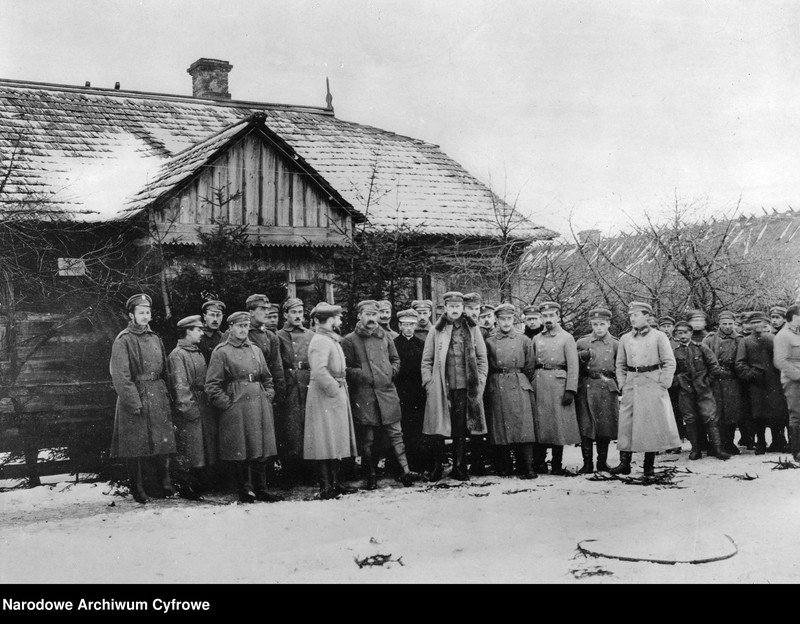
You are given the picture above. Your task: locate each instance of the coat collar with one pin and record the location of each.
(366, 333)
(235, 342)
(287, 326)
(643, 331)
(184, 344)
(330, 334)
(500, 335)
(442, 322)
(139, 329)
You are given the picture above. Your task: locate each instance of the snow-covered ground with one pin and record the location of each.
(491, 530)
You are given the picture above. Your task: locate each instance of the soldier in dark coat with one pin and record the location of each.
(533, 320)
(755, 366)
(423, 307)
(777, 318)
(727, 388)
(385, 318)
(143, 416)
(487, 321)
(696, 366)
(271, 318)
(372, 365)
(212, 312)
(597, 403)
(268, 342)
(787, 360)
(295, 340)
(666, 325)
(409, 388)
(194, 417)
(239, 385)
(510, 394)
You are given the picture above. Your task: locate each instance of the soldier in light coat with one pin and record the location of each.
(555, 385)
(727, 388)
(143, 416)
(194, 417)
(597, 403)
(372, 365)
(483, 316)
(645, 367)
(786, 357)
(239, 385)
(454, 369)
(329, 432)
(510, 395)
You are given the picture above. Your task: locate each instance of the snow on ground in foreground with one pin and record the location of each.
(508, 531)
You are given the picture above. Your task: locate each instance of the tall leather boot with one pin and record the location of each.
(760, 440)
(134, 465)
(335, 466)
(716, 441)
(586, 451)
(459, 471)
(370, 470)
(778, 444)
(539, 458)
(502, 454)
(526, 459)
(258, 469)
(164, 479)
(649, 464)
(436, 456)
(624, 466)
(324, 474)
(728, 433)
(477, 455)
(244, 482)
(555, 463)
(746, 434)
(794, 436)
(602, 455)
(694, 437)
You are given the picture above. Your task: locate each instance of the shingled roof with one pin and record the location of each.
(103, 155)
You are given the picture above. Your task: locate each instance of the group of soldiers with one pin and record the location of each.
(267, 404)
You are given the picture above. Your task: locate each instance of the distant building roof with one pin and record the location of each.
(102, 155)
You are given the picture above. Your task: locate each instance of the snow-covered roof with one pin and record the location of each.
(93, 154)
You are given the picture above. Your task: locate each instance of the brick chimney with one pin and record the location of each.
(210, 78)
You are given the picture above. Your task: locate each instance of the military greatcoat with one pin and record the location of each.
(695, 367)
(143, 416)
(209, 341)
(597, 403)
(754, 365)
(556, 371)
(409, 383)
(294, 351)
(727, 388)
(195, 419)
(511, 401)
(329, 432)
(646, 419)
(239, 384)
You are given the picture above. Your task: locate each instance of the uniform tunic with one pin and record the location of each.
(239, 384)
(597, 403)
(329, 432)
(409, 383)
(138, 370)
(195, 420)
(646, 420)
(209, 341)
(294, 351)
(270, 345)
(509, 393)
(728, 394)
(422, 332)
(556, 372)
(755, 365)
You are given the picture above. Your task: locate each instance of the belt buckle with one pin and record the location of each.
(251, 377)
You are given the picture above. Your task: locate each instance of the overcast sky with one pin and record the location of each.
(599, 109)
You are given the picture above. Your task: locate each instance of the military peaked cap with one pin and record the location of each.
(666, 320)
(213, 305)
(531, 310)
(291, 302)
(256, 301)
(370, 305)
(473, 299)
(777, 311)
(640, 305)
(385, 304)
(453, 296)
(422, 303)
(407, 316)
(600, 314)
(725, 314)
(323, 311)
(757, 316)
(486, 308)
(549, 305)
(683, 325)
(505, 309)
(138, 300)
(239, 317)
(190, 321)
(693, 314)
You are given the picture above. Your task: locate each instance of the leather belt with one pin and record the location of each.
(301, 366)
(600, 374)
(552, 367)
(644, 369)
(252, 378)
(511, 369)
(148, 377)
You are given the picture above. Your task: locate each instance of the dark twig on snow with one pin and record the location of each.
(744, 477)
(377, 560)
(480, 494)
(663, 478)
(579, 573)
(783, 464)
(519, 491)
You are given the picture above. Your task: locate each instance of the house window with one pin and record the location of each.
(71, 266)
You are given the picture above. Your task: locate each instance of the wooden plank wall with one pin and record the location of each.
(263, 188)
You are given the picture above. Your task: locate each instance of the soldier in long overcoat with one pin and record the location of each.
(695, 368)
(329, 433)
(786, 357)
(194, 417)
(454, 370)
(482, 315)
(597, 403)
(212, 313)
(372, 365)
(555, 385)
(645, 367)
(295, 340)
(409, 388)
(512, 403)
(143, 415)
(239, 385)
(727, 388)
(755, 366)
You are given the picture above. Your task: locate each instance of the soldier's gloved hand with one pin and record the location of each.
(270, 394)
(585, 355)
(137, 411)
(568, 398)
